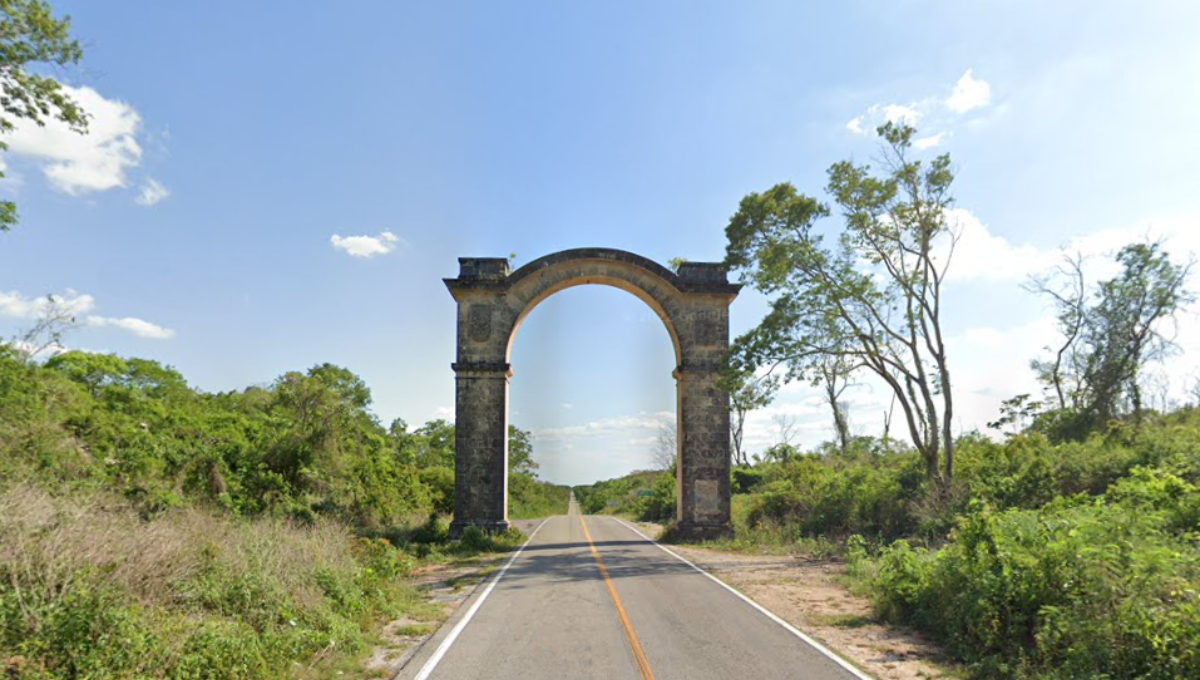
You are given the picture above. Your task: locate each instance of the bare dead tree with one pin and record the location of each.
(834, 373)
(666, 447)
(54, 320)
(1064, 285)
(746, 393)
(786, 423)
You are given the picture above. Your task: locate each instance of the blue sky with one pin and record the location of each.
(271, 186)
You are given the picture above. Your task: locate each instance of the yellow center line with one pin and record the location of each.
(639, 657)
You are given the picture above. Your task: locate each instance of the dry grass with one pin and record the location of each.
(189, 584)
(50, 540)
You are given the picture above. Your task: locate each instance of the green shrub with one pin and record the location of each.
(1096, 589)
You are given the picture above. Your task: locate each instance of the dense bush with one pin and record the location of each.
(1076, 559)
(817, 496)
(1103, 587)
(232, 535)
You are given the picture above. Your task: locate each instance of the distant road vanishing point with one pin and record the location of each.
(591, 597)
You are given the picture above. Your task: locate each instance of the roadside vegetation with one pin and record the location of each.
(149, 529)
(1064, 545)
(646, 495)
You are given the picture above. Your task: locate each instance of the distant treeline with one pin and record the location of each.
(305, 445)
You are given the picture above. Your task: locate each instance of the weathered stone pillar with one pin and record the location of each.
(693, 305)
(703, 473)
(480, 446)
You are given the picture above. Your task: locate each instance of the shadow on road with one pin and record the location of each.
(574, 562)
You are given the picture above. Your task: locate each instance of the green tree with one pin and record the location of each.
(520, 452)
(434, 444)
(93, 371)
(872, 296)
(30, 34)
(1110, 332)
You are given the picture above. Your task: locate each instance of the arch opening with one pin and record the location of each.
(592, 376)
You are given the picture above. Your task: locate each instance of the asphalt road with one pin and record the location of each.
(556, 613)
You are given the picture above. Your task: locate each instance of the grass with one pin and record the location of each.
(90, 589)
(842, 620)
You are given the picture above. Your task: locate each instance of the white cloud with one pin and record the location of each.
(931, 111)
(80, 163)
(901, 113)
(969, 93)
(366, 246)
(980, 254)
(138, 327)
(922, 143)
(152, 192)
(14, 304)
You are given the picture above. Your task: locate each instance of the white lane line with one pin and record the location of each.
(766, 612)
(445, 646)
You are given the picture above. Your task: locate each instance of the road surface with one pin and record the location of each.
(589, 597)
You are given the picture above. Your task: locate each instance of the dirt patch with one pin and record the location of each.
(805, 593)
(445, 586)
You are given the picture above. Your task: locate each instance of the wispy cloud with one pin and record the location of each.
(138, 327)
(902, 113)
(922, 143)
(17, 305)
(931, 111)
(980, 254)
(76, 304)
(607, 427)
(152, 192)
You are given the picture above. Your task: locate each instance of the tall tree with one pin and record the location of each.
(30, 34)
(1110, 332)
(871, 296)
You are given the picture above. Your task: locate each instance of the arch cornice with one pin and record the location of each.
(492, 274)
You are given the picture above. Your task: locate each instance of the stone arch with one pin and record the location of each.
(492, 302)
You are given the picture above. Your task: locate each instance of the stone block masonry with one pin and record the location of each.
(693, 305)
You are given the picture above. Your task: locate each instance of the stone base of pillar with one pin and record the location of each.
(701, 532)
(488, 526)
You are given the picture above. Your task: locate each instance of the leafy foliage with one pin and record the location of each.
(1109, 334)
(253, 529)
(31, 34)
(870, 300)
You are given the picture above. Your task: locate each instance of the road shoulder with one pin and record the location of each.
(806, 593)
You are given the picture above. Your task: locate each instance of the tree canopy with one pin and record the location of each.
(870, 296)
(31, 35)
